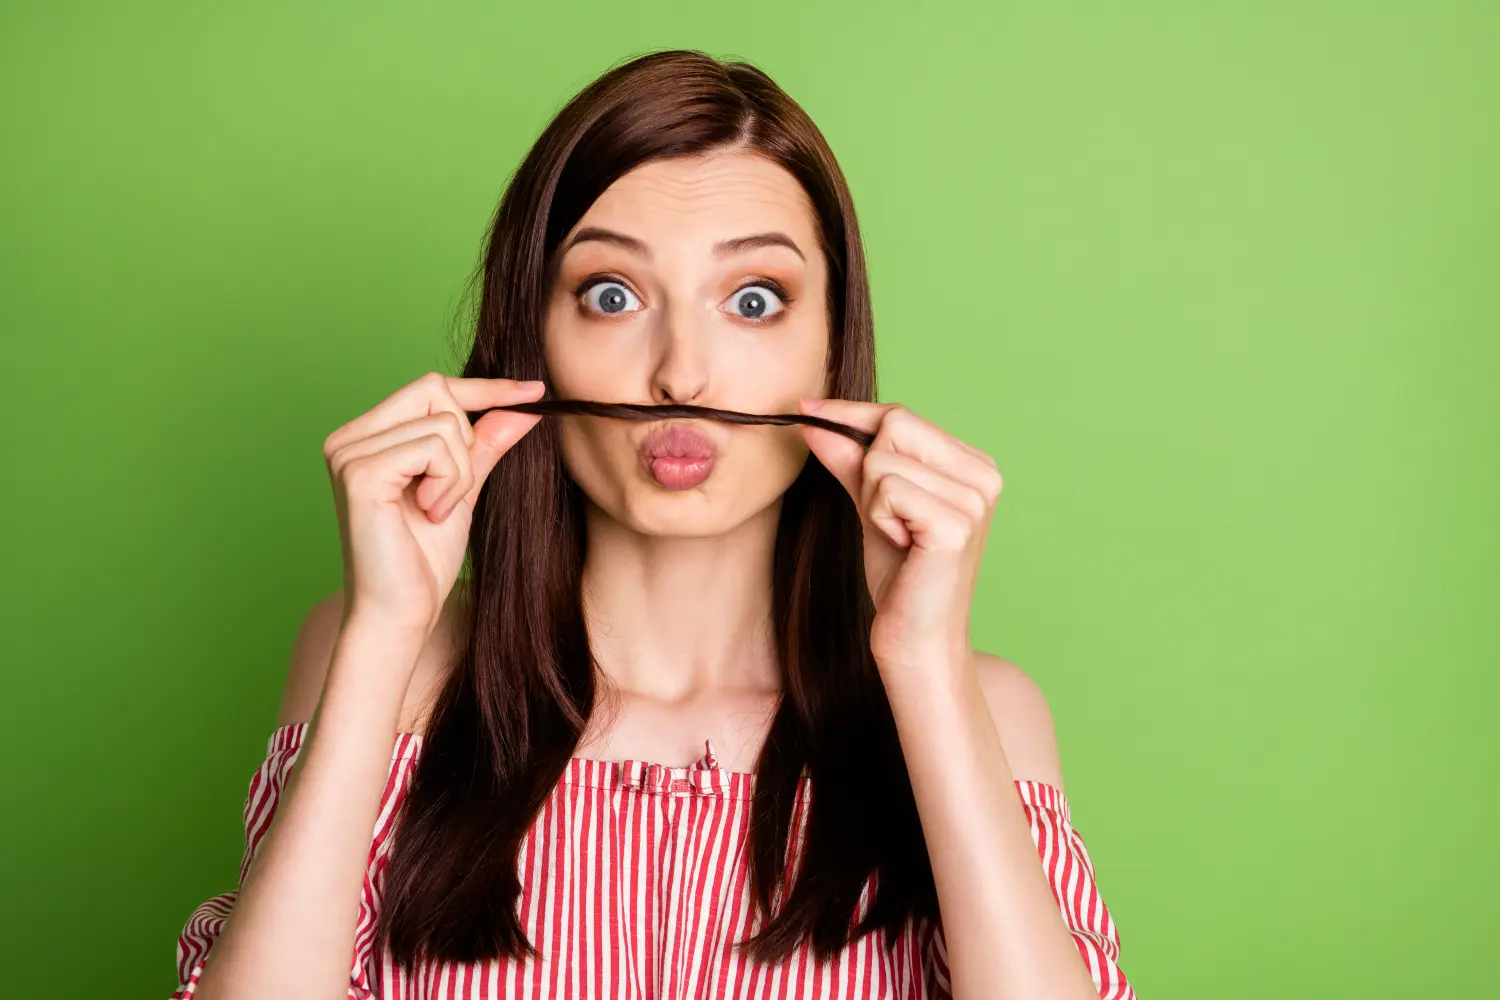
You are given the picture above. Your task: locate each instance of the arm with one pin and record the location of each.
(291, 931)
(926, 500)
(406, 478)
(968, 732)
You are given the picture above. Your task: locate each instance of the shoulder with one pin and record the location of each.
(1022, 717)
(312, 652)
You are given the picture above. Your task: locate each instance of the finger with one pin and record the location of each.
(855, 413)
(470, 394)
(431, 494)
(907, 434)
(909, 418)
(486, 393)
(901, 430)
(839, 455)
(383, 476)
(434, 393)
(879, 464)
(495, 433)
(909, 515)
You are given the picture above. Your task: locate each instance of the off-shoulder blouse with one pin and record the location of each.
(635, 884)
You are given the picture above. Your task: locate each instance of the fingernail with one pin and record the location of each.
(809, 405)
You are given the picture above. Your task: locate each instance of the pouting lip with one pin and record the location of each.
(677, 441)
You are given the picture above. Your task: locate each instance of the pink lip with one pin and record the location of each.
(678, 457)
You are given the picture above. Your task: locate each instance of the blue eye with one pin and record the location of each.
(610, 297)
(756, 302)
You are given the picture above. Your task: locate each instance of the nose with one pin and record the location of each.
(681, 371)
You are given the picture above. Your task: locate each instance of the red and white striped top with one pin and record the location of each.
(635, 882)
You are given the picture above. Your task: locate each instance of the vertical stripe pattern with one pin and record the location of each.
(635, 886)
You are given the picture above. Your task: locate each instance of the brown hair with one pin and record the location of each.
(666, 411)
(512, 712)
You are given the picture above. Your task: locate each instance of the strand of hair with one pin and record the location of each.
(667, 411)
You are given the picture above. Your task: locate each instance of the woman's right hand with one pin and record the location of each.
(405, 478)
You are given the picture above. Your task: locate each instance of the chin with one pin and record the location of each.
(695, 513)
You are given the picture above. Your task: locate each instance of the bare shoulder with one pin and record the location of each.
(1022, 717)
(312, 652)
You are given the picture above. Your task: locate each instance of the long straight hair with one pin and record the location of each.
(523, 686)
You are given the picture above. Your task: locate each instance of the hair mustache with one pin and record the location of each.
(641, 411)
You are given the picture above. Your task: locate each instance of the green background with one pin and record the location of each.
(1215, 283)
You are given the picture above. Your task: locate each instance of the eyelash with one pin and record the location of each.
(773, 285)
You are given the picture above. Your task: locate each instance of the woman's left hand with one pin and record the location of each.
(926, 499)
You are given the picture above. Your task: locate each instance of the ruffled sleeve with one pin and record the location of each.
(1070, 873)
(206, 923)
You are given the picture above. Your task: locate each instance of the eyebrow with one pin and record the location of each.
(598, 234)
(744, 243)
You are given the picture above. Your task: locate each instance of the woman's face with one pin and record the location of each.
(694, 280)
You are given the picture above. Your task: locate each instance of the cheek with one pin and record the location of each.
(786, 454)
(779, 371)
(575, 371)
(597, 456)
(591, 360)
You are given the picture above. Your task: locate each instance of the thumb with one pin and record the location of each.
(839, 455)
(495, 433)
(844, 458)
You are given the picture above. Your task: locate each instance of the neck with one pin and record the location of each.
(670, 618)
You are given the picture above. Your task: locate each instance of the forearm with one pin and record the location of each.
(291, 931)
(1005, 935)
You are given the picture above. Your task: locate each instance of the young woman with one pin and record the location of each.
(703, 718)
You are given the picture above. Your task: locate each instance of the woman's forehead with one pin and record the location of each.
(706, 198)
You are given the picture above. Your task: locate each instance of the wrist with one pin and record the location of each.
(929, 661)
(400, 631)
(383, 626)
(376, 654)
